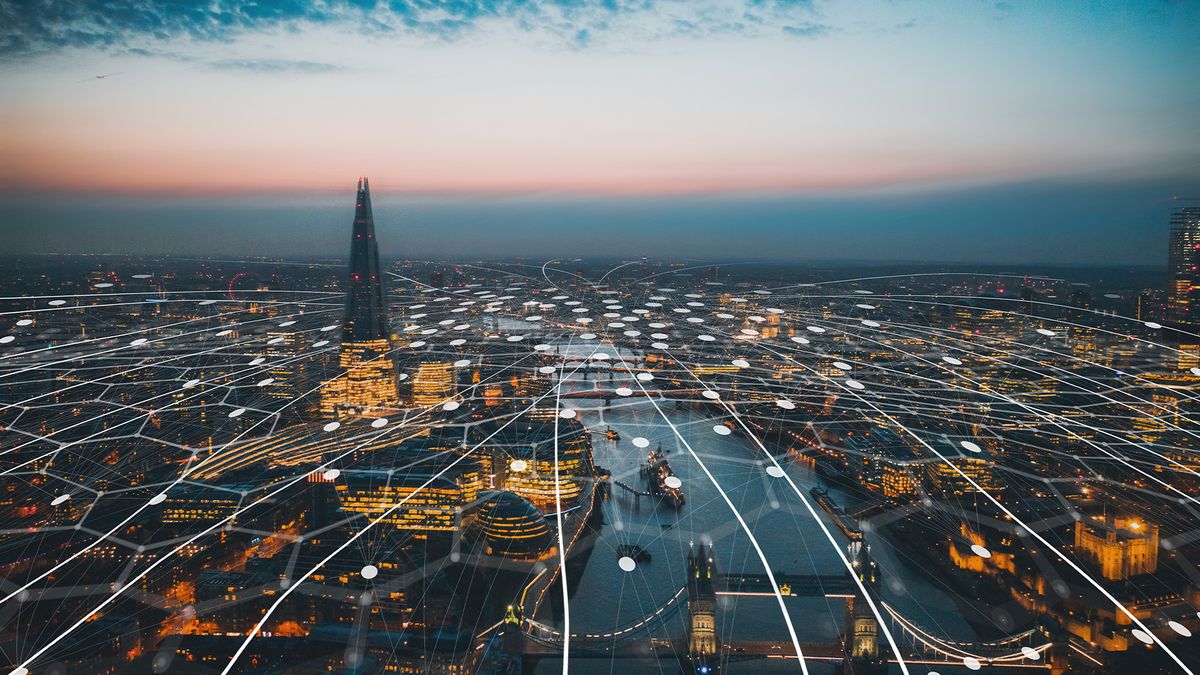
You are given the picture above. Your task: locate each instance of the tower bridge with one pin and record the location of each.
(523, 642)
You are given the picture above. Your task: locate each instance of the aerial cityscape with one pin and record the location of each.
(606, 405)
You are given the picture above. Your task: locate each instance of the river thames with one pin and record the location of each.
(604, 596)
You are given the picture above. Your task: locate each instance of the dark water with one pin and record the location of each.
(606, 597)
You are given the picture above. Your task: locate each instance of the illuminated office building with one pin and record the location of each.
(286, 371)
(419, 501)
(368, 380)
(433, 383)
(1183, 269)
(952, 481)
(528, 469)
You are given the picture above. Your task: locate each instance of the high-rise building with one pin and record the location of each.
(1183, 269)
(368, 381)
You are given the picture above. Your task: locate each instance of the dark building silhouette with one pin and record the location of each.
(368, 383)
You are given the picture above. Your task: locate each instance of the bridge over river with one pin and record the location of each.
(518, 644)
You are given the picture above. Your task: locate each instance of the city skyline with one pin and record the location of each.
(927, 131)
(595, 337)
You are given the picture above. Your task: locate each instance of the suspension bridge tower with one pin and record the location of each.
(862, 628)
(704, 647)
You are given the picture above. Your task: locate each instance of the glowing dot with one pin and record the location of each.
(515, 338)
(331, 474)
(158, 498)
(1143, 636)
(379, 423)
(369, 572)
(328, 328)
(567, 413)
(266, 382)
(20, 670)
(741, 363)
(190, 383)
(749, 331)
(285, 324)
(624, 391)
(542, 348)
(600, 356)
(632, 333)
(6, 339)
(142, 276)
(457, 342)
(785, 404)
(952, 361)
(416, 344)
(206, 302)
(709, 393)
(864, 292)
(547, 370)
(104, 285)
(722, 430)
(57, 303)
(1031, 653)
(275, 341)
(841, 365)
(462, 363)
(535, 317)
(672, 482)
(25, 322)
(238, 413)
(870, 324)
(971, 663)
(972, 447)
(1153, 324)
(257, 361)
(1180, 628)
(980, 551)
(587, 336)
(645, 377)
(864, 305)
(320, 343)
(816, 329)
(641, 442)
(774, 471)
(1046, 331)
(855, 384)
(224, 333)
(518, 465)
(60, 499)
(1195, 370)
(450, 405)
(627, 564)
(706, 338)
(800, 340)
(662, 336)
(660, 345)
(332, 426)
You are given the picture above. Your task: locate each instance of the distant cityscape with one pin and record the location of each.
(637, 466)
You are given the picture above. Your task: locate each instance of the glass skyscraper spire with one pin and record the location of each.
(366, 309)
(368, 383)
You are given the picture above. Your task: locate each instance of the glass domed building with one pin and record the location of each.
(513, 528)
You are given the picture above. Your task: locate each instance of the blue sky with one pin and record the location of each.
(949, 130)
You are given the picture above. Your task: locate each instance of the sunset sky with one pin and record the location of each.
(800, 113)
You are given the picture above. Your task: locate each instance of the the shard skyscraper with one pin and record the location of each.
(367, 383)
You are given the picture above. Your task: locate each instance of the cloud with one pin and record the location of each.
(33, 27)
(808, 30)
(273, 65)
